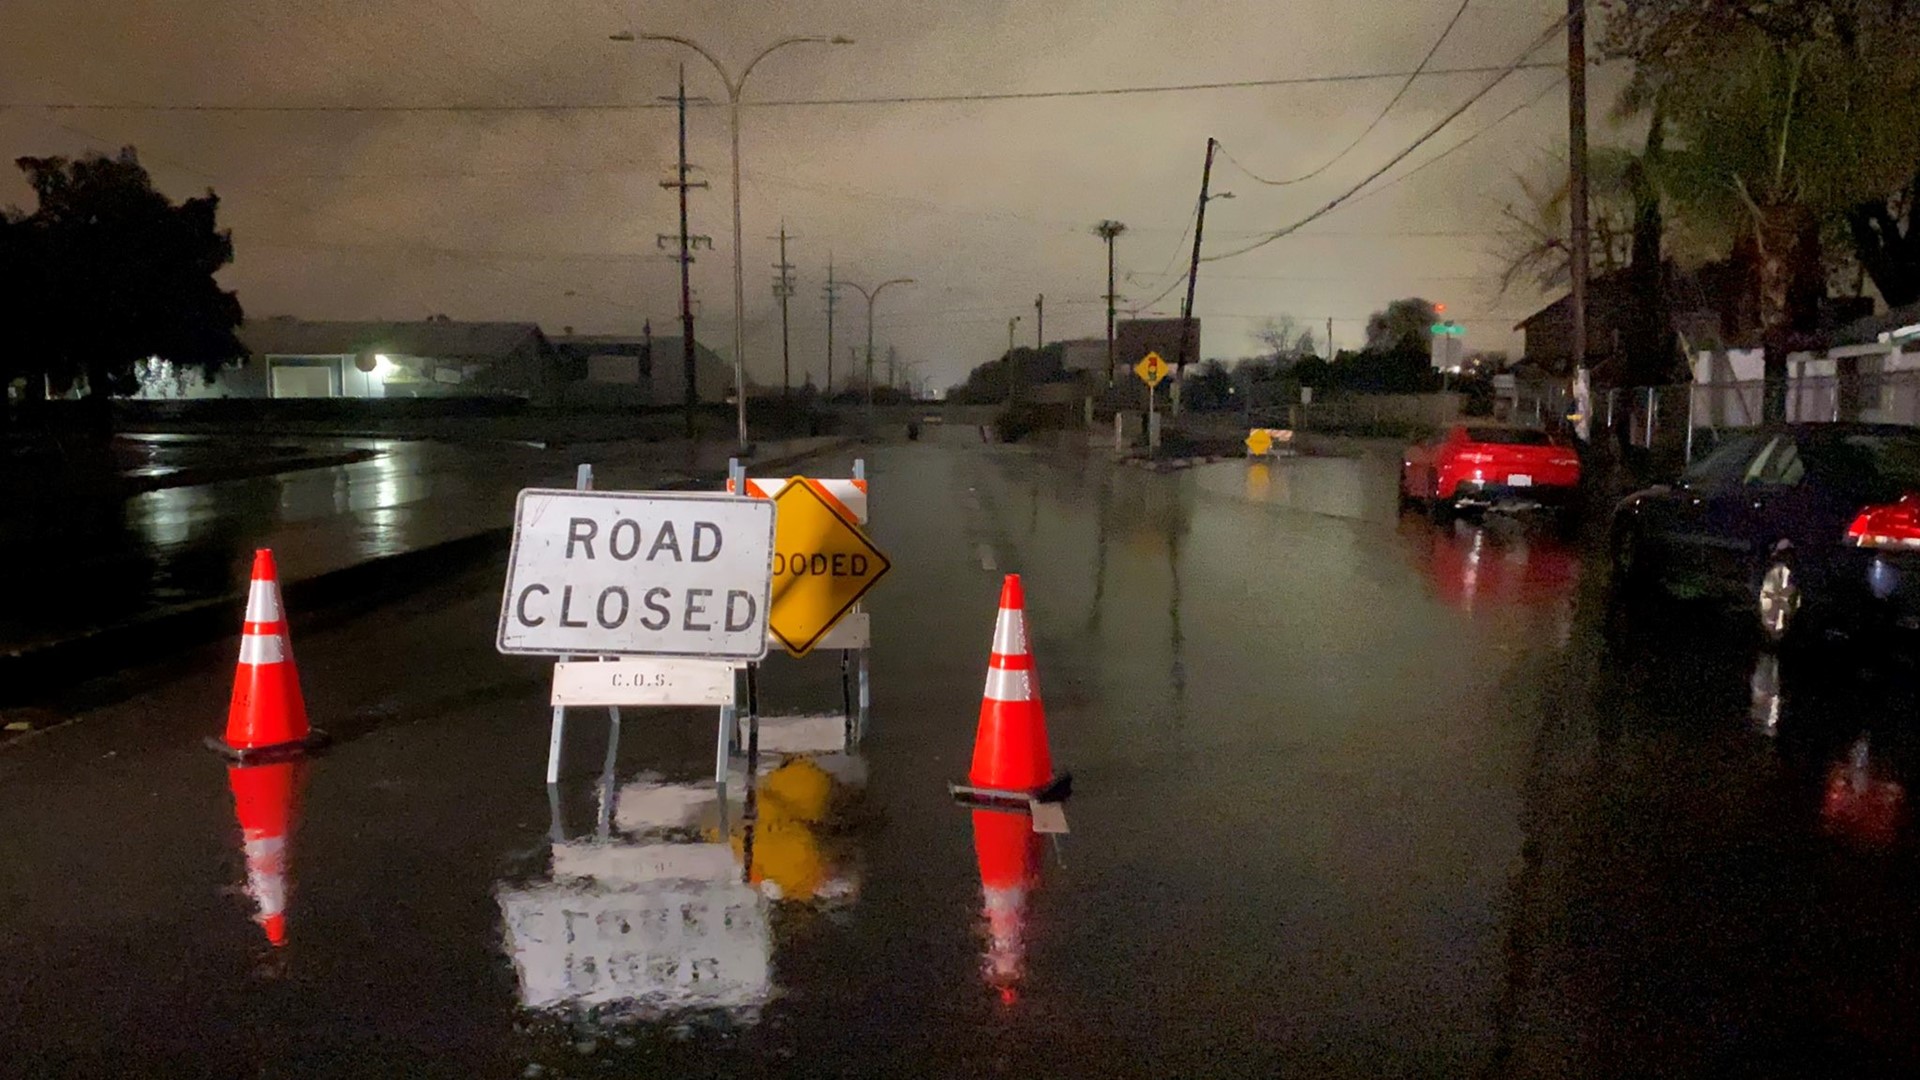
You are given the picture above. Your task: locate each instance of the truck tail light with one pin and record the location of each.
(1891, 525)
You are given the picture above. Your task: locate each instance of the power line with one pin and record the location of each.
(1179, 247)
(1382, 115)
(1552, 85)
(901, 99)
(1285, 230)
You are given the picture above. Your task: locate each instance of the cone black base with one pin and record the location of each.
(315, 741)
(1053, 790)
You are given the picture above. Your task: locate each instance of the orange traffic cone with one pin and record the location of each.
(1009, 854)
(1011, 760)
(266, 800)
(267, 717)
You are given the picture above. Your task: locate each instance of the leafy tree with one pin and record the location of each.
(1787, 114)
(1403, 328)
(125, 274)
(1886, 241)
(987, 384)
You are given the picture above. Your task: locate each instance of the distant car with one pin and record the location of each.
(1801, 525)
(1486, 466)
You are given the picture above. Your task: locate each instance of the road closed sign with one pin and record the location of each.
(611, 573)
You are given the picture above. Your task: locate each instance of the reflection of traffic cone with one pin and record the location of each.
(1011, 761)
(267, 717)
(265, 799)
(1009, 854)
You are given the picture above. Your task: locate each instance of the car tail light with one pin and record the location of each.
(1893, 525)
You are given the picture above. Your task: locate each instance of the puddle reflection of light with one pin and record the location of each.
(1767, 698)
(1470, 573)
(164, 517)
(1259, 480)
(1860, 806)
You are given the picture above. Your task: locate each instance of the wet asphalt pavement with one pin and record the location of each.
(1353, 796)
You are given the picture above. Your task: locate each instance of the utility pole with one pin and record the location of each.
(783, 291)
(1577, 201)
(1013, 365)
(1329, 339)
(690, 391)
(1107, 230)
(832, 296)
(643, 364)
(1187, 346)
(1040, 321)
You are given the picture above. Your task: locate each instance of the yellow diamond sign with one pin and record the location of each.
(1151, 369)
(822, 565)
(1259, 442)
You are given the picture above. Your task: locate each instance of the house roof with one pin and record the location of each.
(582, 345)
(435, 338)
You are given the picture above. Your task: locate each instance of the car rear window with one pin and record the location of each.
(1888, 460)
(1508, 436)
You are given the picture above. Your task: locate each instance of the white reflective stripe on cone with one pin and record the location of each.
(1010, 634)
(262, 649)
(1009, 684)
(263, 602)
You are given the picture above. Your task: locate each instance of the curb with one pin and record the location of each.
(35, 669)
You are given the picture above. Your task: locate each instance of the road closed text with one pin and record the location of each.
(648, 574)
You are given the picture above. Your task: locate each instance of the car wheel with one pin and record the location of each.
(1633, 570)
(1778, 599)
(1566, 522)
(1442, 511)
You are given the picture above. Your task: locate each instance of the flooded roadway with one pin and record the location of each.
(1353, 797)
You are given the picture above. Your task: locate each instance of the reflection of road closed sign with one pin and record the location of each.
(638, 574)
(1151, 369)
(822, 565)
(666, 945)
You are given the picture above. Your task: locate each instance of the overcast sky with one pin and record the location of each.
(552, 215)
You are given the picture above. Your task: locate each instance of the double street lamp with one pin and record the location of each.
(870, 297)
(734, 86)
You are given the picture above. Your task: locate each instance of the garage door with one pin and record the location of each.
(302, 382)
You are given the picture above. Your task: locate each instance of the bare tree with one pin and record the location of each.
(1533, 246)
(1286, 339)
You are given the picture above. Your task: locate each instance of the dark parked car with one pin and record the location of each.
(1801, 524)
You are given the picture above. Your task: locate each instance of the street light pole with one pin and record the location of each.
(734, 87)
(870, 297)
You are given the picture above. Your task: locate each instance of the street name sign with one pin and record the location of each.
(1151, 369)
(822, 565)
(614, 573)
